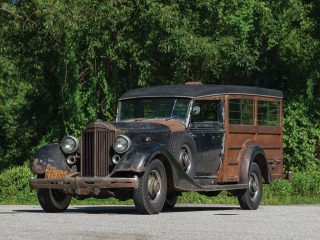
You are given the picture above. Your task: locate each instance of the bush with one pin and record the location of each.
(306, 184)
(280, 188)
(301, 137)
(304, 188)
(14, 185)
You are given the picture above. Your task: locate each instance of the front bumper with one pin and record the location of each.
(77, 184)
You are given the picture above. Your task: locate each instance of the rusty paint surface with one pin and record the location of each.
(55, 173)
(83, 185)
(173, 125)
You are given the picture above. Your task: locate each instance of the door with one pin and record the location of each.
(207, 129)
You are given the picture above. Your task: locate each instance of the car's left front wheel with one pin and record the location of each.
(150, 196)
(53, 200)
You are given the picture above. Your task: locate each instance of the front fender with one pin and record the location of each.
(49, 156)
(139, 156)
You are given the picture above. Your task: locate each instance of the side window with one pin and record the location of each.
(241, 111)
(268, 113)
(207, 111)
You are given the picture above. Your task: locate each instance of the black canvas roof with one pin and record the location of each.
(192, 91)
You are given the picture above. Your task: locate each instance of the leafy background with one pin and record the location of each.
(65, 63)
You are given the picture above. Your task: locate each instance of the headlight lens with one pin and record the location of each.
(121, 143)
(69, 144)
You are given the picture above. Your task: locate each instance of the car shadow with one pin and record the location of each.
(131, 209)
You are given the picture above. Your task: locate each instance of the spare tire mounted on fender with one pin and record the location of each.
(183, 148)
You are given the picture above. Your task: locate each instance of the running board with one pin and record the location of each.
(194, 187)
(219, 187)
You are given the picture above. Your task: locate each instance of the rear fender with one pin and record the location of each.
(254, 153)
(49, 156)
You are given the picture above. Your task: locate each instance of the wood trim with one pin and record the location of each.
(275, 146)
(254, 129)
(222, 176)
(209, 98)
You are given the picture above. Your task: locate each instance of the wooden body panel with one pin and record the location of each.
(239, 137)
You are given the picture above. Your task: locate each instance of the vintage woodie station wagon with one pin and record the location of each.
(167, 140)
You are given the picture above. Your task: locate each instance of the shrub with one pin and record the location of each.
(304, 188)
(14, 185)
(306, 184)
(280, 188)
(301, 137)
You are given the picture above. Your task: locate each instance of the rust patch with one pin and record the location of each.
(175, 126)
(36, 167)
(105, 125)
(55, 173)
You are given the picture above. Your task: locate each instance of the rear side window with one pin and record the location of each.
(268, 113)
(241, 111)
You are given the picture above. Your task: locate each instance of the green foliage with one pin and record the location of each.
(306, 184)
(303, 189)
(301, 136)
(64, 63)
(14, 185)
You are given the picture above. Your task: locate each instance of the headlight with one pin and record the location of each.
(121, 143)
(69, 144)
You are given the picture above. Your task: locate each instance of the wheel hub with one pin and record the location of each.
(154, 185)
(253, 186)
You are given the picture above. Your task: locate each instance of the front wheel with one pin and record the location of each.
(250, 198)
(171, 201)
(53, 200)
(150, 196)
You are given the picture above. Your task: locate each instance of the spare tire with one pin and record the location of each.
(183, 148)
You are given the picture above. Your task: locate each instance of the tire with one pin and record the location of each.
(53, 200)
(183, 149)
(171, 201)
(150, 196)
(250, 198)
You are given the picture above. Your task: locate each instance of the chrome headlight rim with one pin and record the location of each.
(128, 144)
(76, 144)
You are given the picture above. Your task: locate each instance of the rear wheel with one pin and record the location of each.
(53, 200)
(150, 196)
(250, 198)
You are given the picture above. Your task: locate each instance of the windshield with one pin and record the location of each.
(154, 108)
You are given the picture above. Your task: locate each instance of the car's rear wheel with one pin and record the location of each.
(150, 196)
(250, 198)
(53, 200)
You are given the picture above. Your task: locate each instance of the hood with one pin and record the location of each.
(139, 131)
(149, 126)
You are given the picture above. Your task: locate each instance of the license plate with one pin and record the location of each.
(55, 173)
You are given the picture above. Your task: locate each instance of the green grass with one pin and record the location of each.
(303, 189)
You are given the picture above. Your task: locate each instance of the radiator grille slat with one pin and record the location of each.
(96, 147)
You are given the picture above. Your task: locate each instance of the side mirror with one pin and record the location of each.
(195, 110)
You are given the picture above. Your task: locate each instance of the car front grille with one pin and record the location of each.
(96, 145)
